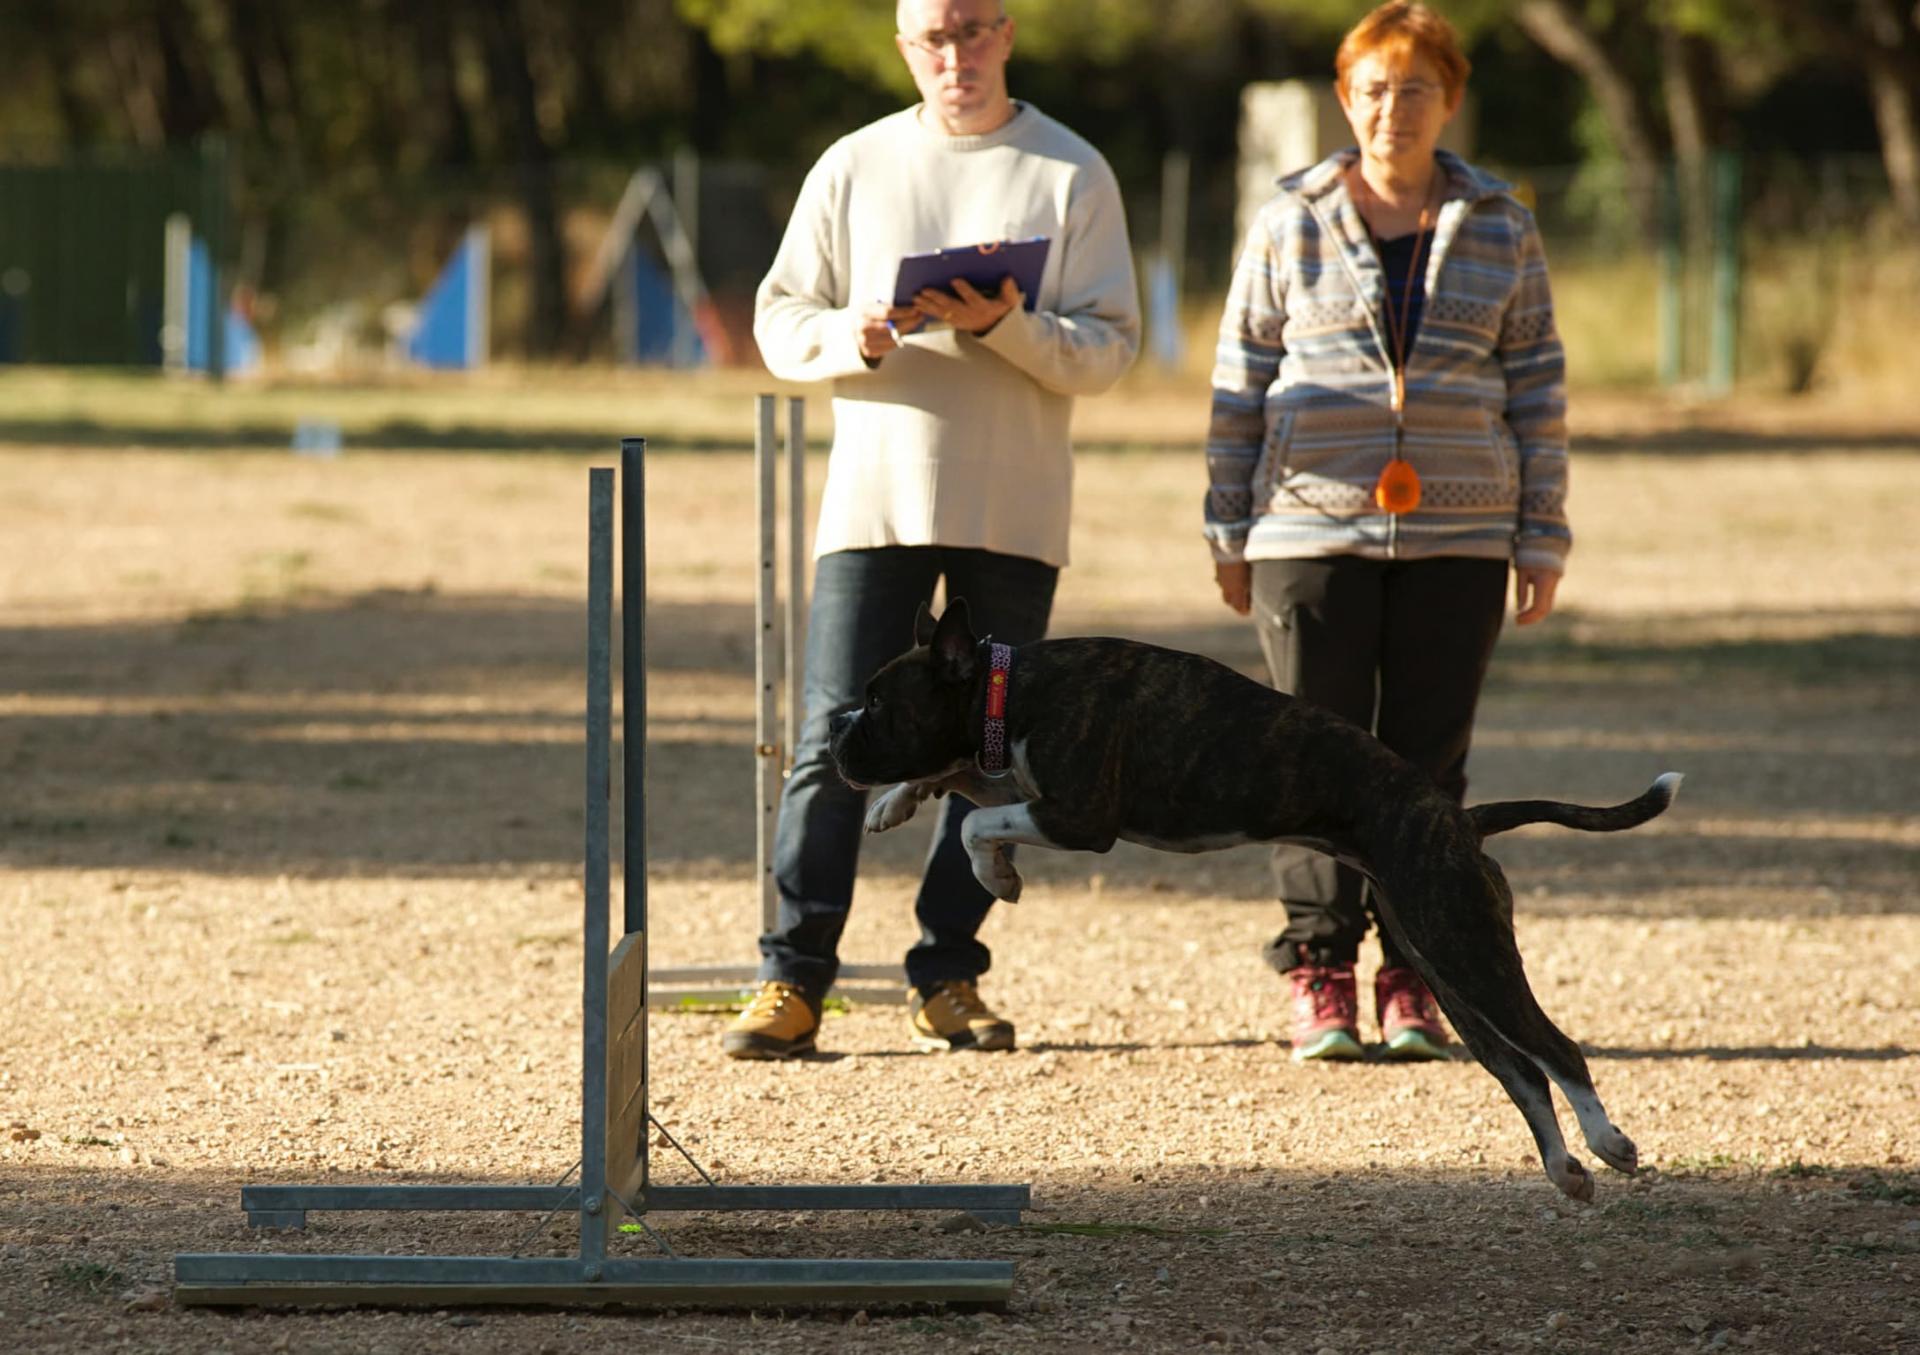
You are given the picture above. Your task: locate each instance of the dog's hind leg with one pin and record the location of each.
(1528, 1087)
(1532, 1031)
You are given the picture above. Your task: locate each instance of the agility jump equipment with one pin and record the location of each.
(779, 636)
(451, 329)
(614, 1179)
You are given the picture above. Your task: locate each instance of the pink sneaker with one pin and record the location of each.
(1410, 1022)
(1326, 1014)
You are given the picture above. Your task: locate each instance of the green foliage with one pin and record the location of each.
(848, 35)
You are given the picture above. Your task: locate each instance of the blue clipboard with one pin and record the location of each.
(982, 265)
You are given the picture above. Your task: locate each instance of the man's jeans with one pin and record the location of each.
(861, 615)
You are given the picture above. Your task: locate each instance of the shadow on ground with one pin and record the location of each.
(414, 731)
(1177, 1257)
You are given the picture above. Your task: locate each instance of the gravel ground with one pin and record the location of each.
(292, 762)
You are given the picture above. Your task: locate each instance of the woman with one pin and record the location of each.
(1388, 434)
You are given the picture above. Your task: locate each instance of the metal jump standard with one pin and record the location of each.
(779, 615)
(613, 1180)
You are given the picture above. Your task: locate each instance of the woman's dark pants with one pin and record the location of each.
(1400, 648)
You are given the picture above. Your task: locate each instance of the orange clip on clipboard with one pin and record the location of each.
(981, 265)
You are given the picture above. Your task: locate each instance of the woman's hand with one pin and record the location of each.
(1533, 591)
(1235, 578)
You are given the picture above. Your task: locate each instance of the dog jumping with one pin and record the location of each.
(1078, 743)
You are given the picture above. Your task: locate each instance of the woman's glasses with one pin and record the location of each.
(1407, 93)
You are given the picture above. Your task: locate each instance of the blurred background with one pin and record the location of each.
(1730, 189)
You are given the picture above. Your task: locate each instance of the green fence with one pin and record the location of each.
(82, 251)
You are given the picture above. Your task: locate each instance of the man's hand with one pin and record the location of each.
(1533, 591)
(1235, 578)
(882, 325)
(966, 308)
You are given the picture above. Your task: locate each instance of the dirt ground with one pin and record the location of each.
(289, 865)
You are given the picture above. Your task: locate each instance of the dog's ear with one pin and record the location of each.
(954, 642)
(922, 626)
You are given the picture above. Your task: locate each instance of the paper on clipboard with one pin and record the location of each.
(981, 265)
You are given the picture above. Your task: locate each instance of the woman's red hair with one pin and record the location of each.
(1399, 28)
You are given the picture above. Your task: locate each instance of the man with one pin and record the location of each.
(950, 459)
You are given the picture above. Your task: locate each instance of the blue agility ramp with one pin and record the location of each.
(242, 346)
(451, 331)
(664, 331)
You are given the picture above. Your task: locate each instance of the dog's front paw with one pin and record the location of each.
(892, 809)
(995, 871)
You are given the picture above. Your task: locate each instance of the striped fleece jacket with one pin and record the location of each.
(1302, 385)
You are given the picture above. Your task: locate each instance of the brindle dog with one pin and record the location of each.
(1113, 739)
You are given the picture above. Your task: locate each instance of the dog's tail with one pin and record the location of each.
(1501, 815)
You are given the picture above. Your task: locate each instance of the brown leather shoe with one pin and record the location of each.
(953, 1017)
(779, 1023)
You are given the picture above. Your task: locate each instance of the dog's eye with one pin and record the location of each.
(873, 702)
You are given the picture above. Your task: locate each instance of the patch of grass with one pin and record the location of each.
(89, 1141)
(950, 1324)
(298, 937)
(1797, 1170)
(178, 838)
(351, 780)
(208, 618)
(88, 1277)
(1902, 1190)
(1099, 1229)
(1654, 1214)
(1709, 1162)
(322, 512)
(59, 827)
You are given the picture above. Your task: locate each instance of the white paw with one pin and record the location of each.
(1574, 1180)
(1616, 1150)
(996, 872)
(892, 809)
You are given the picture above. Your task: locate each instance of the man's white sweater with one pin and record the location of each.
(952, 440)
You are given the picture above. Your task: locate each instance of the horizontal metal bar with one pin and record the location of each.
(255, 1199)
(719, 996)
(669, 1199)
(966, 1198)
(750, 974)
(895, 972)
(228, 1279)
(745, 974)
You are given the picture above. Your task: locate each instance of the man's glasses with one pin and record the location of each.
(1407, 94)
(966, 39)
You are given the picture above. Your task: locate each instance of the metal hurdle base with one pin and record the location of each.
(614, 1176)
(278, 1281)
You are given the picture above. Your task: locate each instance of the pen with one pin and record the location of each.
(893, 333)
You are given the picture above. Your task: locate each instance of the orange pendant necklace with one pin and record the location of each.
(1398, 488)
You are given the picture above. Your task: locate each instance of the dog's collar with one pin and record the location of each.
(993, 740)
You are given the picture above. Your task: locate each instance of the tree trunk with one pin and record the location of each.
(1893, 70)
(512, 82)
(188, 104)
(452, 143)
(1564, 35)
